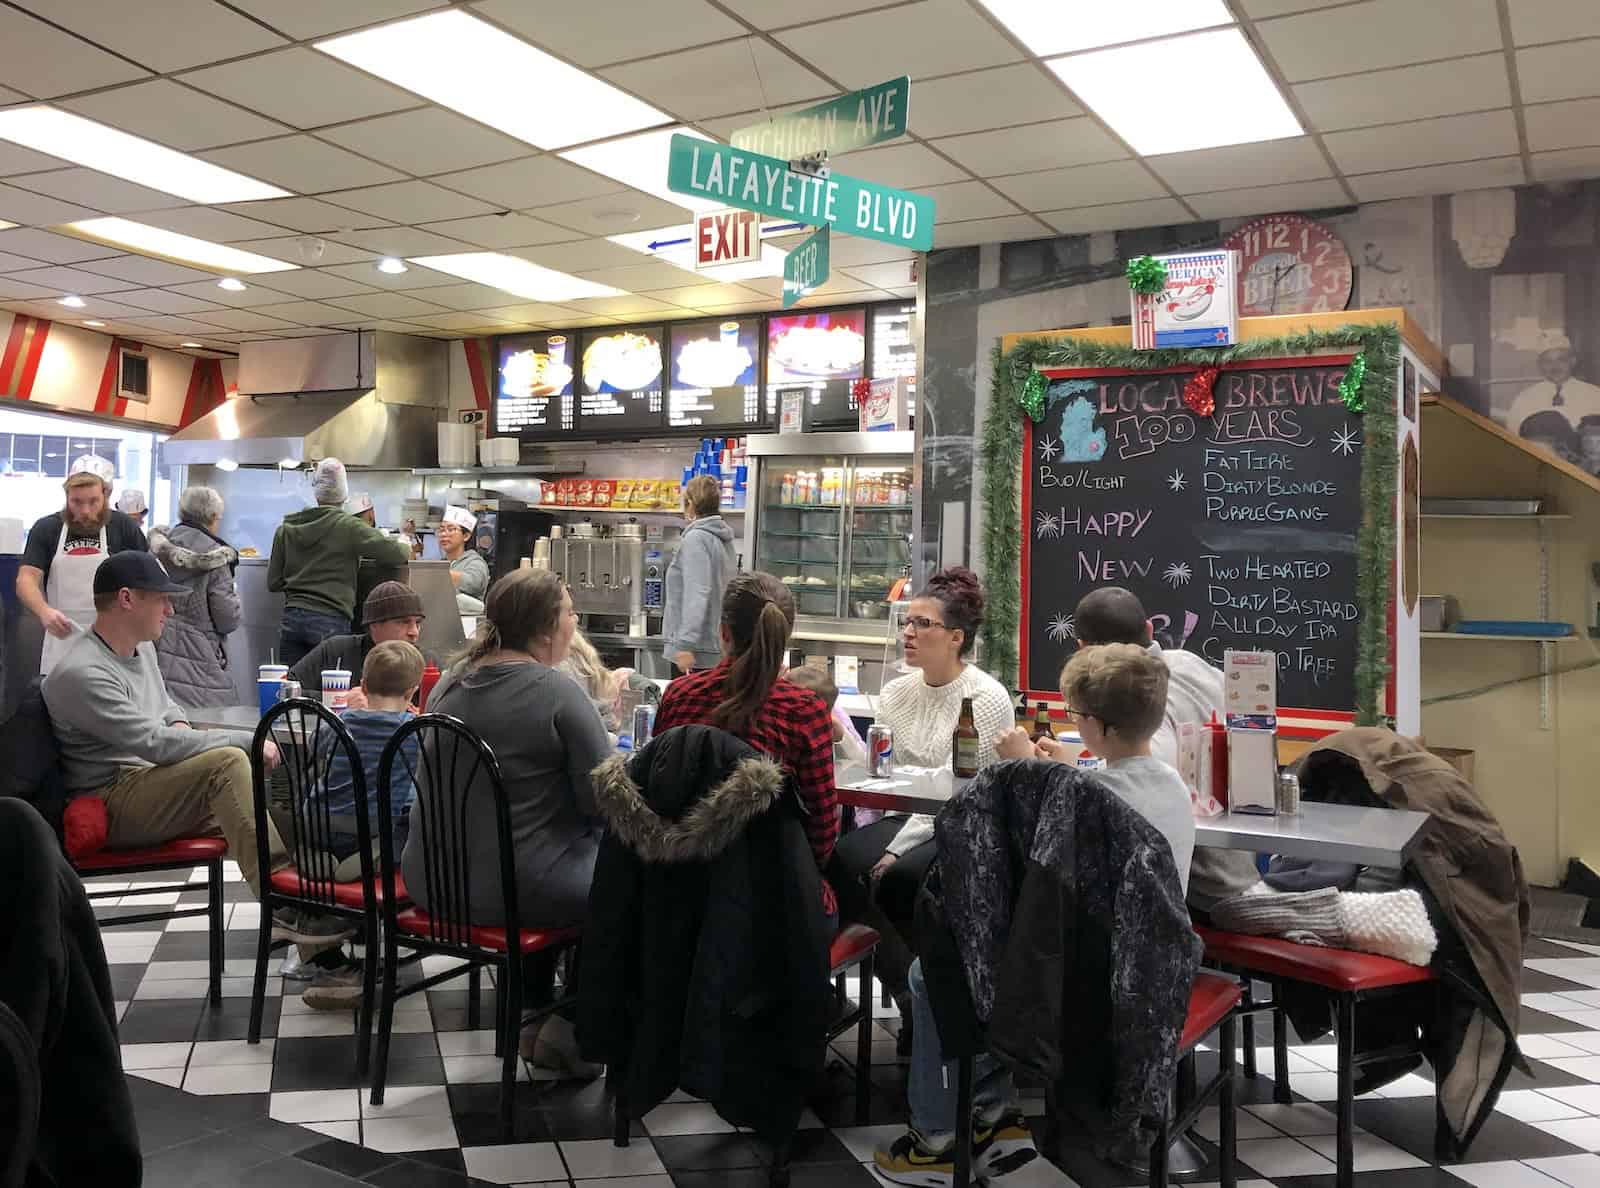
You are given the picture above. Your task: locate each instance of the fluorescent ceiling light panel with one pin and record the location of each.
(641, 162)
(132, 158)
(676, 247)
(1044, 28)
(514, 275)
(470, 66)
(185, 249)
(5, 226)
(1234, 100)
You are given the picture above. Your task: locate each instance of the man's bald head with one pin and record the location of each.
(1111, 615)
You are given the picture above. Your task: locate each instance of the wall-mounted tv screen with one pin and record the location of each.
(533, 386)
(621, 381)
(715, 381)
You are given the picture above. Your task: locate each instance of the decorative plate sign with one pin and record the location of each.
(1290, 264)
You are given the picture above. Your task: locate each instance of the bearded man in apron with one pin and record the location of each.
(56, 578)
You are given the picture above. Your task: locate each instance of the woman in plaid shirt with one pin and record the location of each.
(747, 695)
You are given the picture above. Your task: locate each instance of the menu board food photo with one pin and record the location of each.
(714, 378)
(534, 382)
(817, 346)
(621, 380)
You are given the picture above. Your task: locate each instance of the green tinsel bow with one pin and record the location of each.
(1350, 385)
(1147, 275)
(1033, 393)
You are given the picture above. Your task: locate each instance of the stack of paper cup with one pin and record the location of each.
(268, 681)
(336, 688)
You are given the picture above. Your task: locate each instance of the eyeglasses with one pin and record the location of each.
(1073, 715)
(923, 623)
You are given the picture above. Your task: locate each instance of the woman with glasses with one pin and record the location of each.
(878, 869)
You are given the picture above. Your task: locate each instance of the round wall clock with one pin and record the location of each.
(1289, 264)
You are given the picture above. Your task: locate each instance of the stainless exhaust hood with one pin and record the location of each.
(371, 399)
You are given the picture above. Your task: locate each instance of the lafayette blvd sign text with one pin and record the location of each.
(765, 184)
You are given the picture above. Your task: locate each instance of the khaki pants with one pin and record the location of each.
(208, 795)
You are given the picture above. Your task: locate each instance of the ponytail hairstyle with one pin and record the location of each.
(758, 612)
(521, 607)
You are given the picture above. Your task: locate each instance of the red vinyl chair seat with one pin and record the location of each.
(1210, 999)
(288, 882)
(182, 851)
(853, 943)
(1340, 970)
(417, 922)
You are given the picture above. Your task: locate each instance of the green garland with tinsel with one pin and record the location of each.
(1001, 476)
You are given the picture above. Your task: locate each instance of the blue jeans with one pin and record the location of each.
(931, 1083)
(304, 629)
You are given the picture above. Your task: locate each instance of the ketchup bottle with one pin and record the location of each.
(430, 678)
(1219, 758)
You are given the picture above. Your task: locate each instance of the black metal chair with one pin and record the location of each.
(451, 768)
(308, 736)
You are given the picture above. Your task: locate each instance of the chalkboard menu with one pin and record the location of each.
(1236, 530)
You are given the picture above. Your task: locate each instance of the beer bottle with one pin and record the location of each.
(1041, 724)
(964, 742)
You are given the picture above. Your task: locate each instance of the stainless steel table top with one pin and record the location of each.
(225, 717)
(1342, 833)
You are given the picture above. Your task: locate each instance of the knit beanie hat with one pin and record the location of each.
(390, 600)
(328, 485)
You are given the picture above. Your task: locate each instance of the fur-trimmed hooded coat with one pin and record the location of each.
(705, 957)
(190, 650)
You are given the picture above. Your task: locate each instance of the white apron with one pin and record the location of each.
(69, 588)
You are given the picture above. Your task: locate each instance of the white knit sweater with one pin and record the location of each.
(924, 717)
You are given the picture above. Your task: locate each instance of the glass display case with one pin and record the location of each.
(834, 524)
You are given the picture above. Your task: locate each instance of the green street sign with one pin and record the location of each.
(805, 268)
(851, 121)
(732, 177)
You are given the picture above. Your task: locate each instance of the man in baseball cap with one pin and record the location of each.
(392, 611)
(64, 548)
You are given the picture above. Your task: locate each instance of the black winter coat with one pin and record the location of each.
(705, 958)
(1070, 938)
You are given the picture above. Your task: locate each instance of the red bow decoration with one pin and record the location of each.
(861, 389)
(1197, 395)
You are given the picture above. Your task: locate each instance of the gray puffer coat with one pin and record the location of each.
(190, 650)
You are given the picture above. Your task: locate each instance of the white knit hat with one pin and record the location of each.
(461, 517)
(328, 485)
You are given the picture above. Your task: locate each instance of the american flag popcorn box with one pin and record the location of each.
(1199, 307)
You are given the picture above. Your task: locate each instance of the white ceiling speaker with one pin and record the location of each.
(311, 248)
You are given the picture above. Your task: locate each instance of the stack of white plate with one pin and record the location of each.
(457, 443)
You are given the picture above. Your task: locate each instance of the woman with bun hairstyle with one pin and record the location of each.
(747, 695)
(879, 868)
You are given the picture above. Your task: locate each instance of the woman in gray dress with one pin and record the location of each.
(547, 736)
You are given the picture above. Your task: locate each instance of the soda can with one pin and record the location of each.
(880, 750)
(288, 690)
(644, 721)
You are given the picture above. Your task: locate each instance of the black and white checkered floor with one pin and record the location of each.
(215, 1111)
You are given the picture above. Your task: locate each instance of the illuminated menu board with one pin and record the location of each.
(533, 393)
(894, 351)
(825, 351)
(715, 382)
(621, 381)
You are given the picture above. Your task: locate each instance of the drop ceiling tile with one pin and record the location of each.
(102, 307)
(1439, 179)
(984, 99)
(1307, 195)
(287, 247)
(141, 270)
(304, 19)
(701, 296)
(173, 115)
(1418, 92)
(1534, 21)
(410, 202)
(1574, 124)
(598, 32)
(295, 214)
(161, 301)
(96, 191)
(503, 230)
(164, 35)
(718, 79)
(317, 283)
(1344, 40)
(1261, 9)
(307, 313)
(301, 88)
(528, 311)
(10, 263)
(939, 36)
(1117, 216)
(1086, 185)
(45, 61)
(777, 14)
(252, 295)
(462, 296)
(302, 164)
(388, 305)
(16, 159)
(400, 241)
(177, 325)
(371, 280)
(967, 200)
(45, 245)
(1032, 147)
(1003, 230)
(14, 289)
(723, 127)
(428, 140)
(1425, 142)
(1241, 165)
(906, 166)
(1563, 71)
(72, 280)
(719, 311)
(648, 276)
(532, 181)
(7, 96)
(614, 214)
(626, 306)
(26, 207)
(581, 256)
(245, 319)
(879, 275)
(207, 222)
(1567, 164)
(846, 250)
(463, 321)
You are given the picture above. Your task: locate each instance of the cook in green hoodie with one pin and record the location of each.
(315, 555)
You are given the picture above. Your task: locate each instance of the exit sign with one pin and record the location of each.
(726, 237)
